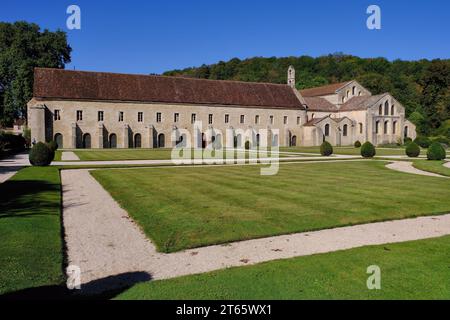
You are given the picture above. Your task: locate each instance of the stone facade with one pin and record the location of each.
(89, 120)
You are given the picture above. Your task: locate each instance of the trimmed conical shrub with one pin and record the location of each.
(436, 152)
(326, 149)
(41, 155)
(368, 150)
(412, 150)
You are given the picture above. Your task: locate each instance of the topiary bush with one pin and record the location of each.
(326, 149)
(412, 150)
(357, 144)
(247, 145)
(41, 155)
(436, 152)
(368, 150)
(53, 146)
(407, 140)
(424, 142)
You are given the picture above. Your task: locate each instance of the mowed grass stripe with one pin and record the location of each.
(410, 270)
(182, 208)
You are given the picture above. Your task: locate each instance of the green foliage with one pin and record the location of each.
(326, 149)
(41, 155)
(407, 140)
(357, 144)
(12, 142)
(436, 152)
(368, 150)
(247, 145)
(52, 145)
(412, 150)
(24, 46)
(421, 86)
(424, 142)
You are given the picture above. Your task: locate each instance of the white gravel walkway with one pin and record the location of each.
(447, 164)
(105, 243)
(69, 156)
(10, 166)
(407, 167)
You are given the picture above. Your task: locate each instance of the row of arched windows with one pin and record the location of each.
(86, 141)
(386, 109)
(385, 127)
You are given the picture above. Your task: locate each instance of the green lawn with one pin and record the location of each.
(182, 208)
(432, 166)
(140, 154)
(411, 270)
(349, 151)
(30, 230)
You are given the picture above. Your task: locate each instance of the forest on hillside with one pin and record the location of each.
(421, 86)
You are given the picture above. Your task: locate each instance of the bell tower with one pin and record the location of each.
(291, 77)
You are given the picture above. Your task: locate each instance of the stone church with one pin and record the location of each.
(106, 110)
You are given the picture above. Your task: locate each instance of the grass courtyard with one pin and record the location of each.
(181, 208)
(349, 151)
(410, 270)
(31, 248)
(153, 154)
(432, 166)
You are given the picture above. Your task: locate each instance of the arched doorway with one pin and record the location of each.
(203, 141)
(112, 141)
(161, 140)
(258, 139)
(137, 140)
(406, 132)
(59, 140)
(294, 141)
(238, 142)
(86, 141)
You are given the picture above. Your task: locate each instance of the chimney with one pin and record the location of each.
(291, 77)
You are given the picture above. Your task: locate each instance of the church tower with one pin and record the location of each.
(291, 77)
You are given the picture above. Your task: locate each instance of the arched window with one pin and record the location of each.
(238, 143)
(394, 127)
(112, 141)
(348, 93)
(353, 90)
(59, 140)
(275, 140)
(380, 110)
(385, 127)
(294, 141)
(386, 108)
(137, 140)
(345, 130)
(327, 130)
(161, 140)
(406, 132)
(392, 110)
(360, 128)
(86, 141)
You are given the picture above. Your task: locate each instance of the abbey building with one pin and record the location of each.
(106, 110)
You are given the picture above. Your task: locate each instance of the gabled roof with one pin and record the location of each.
(81, 85)
(313, 122)
(362, 102)
(320, 104)
(324, 90)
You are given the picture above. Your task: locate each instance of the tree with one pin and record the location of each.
(435, 97)
(24, 46)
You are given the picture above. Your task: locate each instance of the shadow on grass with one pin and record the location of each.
(101, 289)
(18, 198)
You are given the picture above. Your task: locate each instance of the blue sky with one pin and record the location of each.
(153, 36)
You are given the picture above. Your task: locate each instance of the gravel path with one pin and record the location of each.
(113, 252)
(10, 166)
(447, 164)
(407, 167)
(69, 156)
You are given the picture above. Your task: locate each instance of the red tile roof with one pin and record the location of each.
(81, 85)
(320, 104)
(324, 90)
